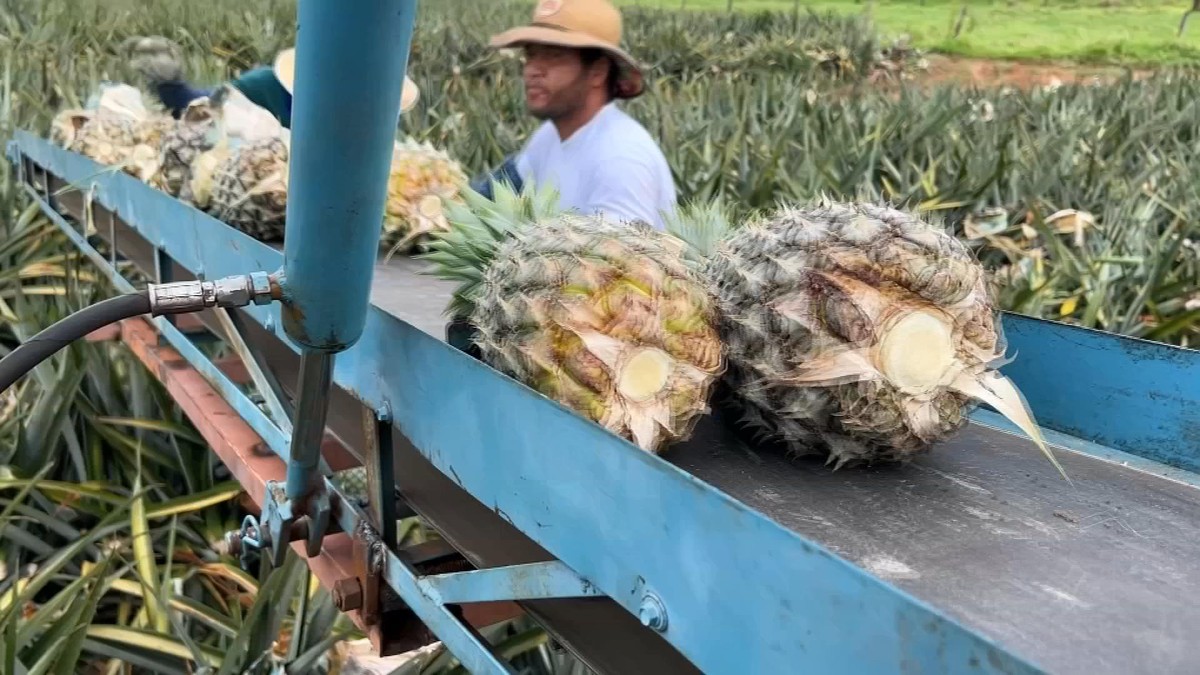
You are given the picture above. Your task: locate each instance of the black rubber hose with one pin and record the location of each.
(75, 327)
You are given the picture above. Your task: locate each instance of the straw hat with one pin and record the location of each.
(285, 70)
(579, 24)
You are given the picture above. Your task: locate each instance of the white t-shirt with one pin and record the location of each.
(610, 165)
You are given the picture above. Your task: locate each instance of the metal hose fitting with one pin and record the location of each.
(190, 296)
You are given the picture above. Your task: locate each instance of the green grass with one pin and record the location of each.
(1142, 32)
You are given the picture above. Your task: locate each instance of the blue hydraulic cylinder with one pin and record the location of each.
(351, 59)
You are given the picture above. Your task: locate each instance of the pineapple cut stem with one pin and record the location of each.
(644, 375)
(917, 351)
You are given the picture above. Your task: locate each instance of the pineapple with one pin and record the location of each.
(603, 317)
(66, 125)
(421, 178)
(196, 188)
(858, 331)
(131, 143)
(214, 128)
(115, 129)
(249, 187)
(186, 140)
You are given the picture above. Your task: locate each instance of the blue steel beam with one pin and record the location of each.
(534, 581)
(1132, 395)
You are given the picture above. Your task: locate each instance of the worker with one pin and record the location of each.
(598, 158)
(158, 61)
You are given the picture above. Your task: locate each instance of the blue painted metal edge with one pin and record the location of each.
(797, 602)
(1131, 395)
(1059, 440)
(533, 581)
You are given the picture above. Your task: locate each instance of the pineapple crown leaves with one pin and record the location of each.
(701, 225)
(477, 227)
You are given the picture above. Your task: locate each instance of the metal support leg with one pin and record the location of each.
(381, 481)
(270, 395)
(302, 509)
(163, 266)
(316, 374)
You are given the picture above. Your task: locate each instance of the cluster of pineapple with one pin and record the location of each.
(229, 157)
(855, 331)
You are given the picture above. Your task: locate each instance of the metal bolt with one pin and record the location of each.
(347, 594)
(233, 540)
(652, 613)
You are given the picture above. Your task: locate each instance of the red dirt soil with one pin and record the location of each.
(1022, 75)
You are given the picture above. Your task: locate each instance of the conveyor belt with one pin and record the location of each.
(1095, 578)
(1098, 577)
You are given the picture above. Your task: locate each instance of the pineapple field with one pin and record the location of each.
(1075, 201)
(1078, 196)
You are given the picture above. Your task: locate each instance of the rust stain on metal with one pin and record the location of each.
(277, 293)
(293, 315)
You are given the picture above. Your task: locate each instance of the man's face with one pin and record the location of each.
(556, 81)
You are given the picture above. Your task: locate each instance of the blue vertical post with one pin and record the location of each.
(351, 59)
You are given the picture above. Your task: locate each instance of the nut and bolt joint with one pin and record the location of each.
(260, 288)
(347, 594)
(652, 613)
(182, 297)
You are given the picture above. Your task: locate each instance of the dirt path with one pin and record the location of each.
(986, 72)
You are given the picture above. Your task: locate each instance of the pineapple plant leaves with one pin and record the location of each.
(476, 226)
(702, 225)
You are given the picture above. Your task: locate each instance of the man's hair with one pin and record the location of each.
(590, 55)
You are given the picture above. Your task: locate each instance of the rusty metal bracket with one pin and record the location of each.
(392, 624)
(381, 480)
(368, 567)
